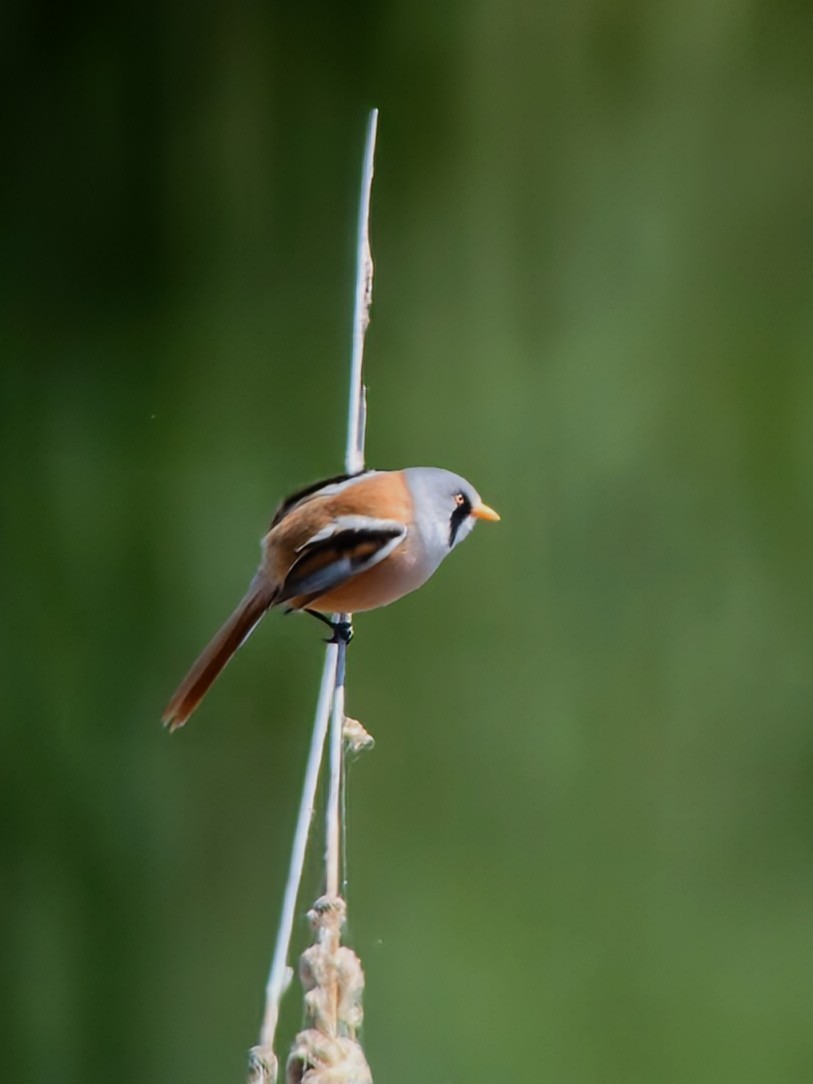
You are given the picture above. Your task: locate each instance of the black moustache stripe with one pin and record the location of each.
(460, 514)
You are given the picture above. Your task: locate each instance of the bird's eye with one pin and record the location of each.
(459, 499)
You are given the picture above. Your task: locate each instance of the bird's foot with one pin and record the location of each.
(342, 630)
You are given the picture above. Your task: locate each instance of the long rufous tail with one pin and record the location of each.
(216, 654)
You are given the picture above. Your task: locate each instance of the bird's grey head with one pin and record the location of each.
(447, 507)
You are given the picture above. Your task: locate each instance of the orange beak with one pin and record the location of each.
(482, 511)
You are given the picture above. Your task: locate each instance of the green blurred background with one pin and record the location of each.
(582, 850)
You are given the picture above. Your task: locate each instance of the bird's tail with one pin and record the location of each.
(216, 654)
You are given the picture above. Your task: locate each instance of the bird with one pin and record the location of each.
(344, 545)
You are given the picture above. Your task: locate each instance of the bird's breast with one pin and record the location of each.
(403, 571)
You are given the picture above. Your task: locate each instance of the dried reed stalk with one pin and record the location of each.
(327, 1051)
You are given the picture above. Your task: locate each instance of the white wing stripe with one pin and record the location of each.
(363, 524)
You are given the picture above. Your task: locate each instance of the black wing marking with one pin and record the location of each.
(301, 494)
(331, 559)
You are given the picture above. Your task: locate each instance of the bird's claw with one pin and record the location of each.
(342, 632)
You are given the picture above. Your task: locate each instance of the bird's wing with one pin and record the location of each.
(349, 546)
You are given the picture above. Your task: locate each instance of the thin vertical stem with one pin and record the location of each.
(333, 849)
(263, 1065)
(278, 975)
(357, 413)
(354, 462)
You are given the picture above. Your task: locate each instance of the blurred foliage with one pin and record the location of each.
(582, 850)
